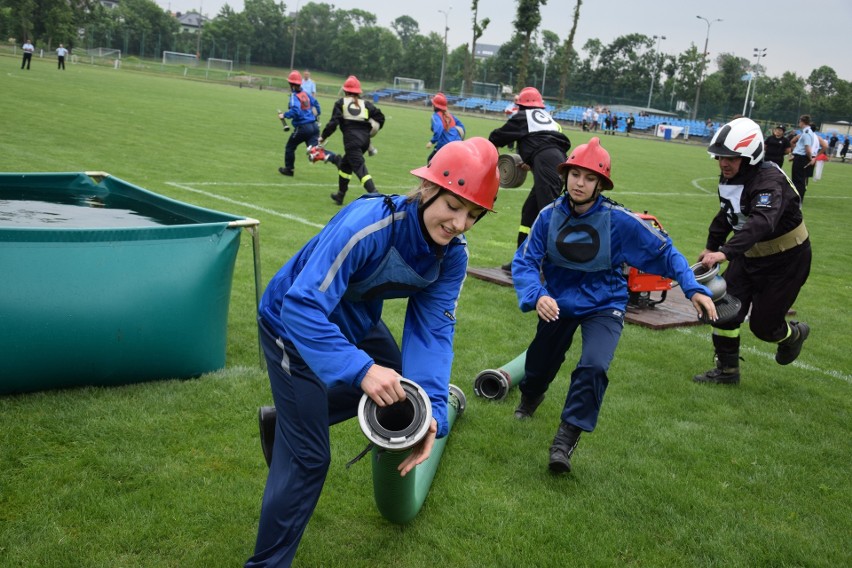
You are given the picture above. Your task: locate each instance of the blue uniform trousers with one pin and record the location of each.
(304, 133)
(301, 453)
(545, 355)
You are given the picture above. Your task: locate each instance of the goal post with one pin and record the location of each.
(96, 56)
(407, 83)
(176, 58)
(223, 64)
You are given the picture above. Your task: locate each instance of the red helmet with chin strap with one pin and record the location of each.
(592, 157)
(439, 101)
(467, 169)
(530, 97)
(294, 78)
(352, 85)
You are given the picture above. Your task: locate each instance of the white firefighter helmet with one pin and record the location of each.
(741, 137)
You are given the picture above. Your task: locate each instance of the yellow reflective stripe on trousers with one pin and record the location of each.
(727, 332)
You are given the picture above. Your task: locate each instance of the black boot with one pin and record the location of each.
(266, 416)
(567, 437)
(338, 197)
(726, 372)
(789, 349)
(526, 408)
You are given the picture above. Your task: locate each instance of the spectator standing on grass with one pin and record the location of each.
(832, 145)
(446, 127)
(28, 54)
(570, 271)
(760, 231)
(61, 52)
(326, 344)
(845, 149)
(805, 148)
(777, 146)
(542, 147)
(628, 125)
(303, 111)
(308, 84)
(358, 120)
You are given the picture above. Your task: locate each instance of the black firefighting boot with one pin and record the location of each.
(789, 349)
(567, 437)
(726, 372)
(370, 186)
(526, 408)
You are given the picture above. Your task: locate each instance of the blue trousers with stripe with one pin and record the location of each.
(301, 453)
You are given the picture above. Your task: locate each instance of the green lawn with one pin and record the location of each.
(170, 473)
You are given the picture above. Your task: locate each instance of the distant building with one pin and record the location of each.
(191, 22)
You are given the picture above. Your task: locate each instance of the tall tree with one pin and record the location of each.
(568, 54)
(526, 22)
(405, 27)
(549, 45)
(478, 30)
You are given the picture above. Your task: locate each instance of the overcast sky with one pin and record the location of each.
(778, 26)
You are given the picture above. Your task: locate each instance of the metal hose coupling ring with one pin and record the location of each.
(492, 384)
(399, 426)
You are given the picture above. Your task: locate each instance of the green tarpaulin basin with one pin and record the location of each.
(105, 283)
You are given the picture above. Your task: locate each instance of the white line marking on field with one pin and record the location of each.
(696, 185)
(771, 356)
(244, 204)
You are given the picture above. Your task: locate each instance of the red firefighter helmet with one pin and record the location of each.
(352, 85)
(294, 78)
(466, 168)
(592, 157)
(530, 97)
(439, 101)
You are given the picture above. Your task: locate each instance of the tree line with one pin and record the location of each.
(322, 37)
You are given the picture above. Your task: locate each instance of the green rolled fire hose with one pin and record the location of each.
(494, 384)
(399, 499)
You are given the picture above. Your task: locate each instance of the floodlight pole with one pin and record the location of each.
(295, 28)
(655, 69)
(446, 14)
(759, 53)
(703, 65)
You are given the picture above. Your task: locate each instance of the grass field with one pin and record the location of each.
(170, 473)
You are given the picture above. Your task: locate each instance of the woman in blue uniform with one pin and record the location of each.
(323, 336)
(446, 127)
(579, 243)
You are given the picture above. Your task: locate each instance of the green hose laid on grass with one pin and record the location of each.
(494, 384)
(398, 498)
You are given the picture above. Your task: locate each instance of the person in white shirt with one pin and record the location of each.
(61, 52)
(28, 54)
(308, 84)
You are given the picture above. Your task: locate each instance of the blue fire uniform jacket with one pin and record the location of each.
(301, 109)
(330, 294)
(582, 258)
(442, 136)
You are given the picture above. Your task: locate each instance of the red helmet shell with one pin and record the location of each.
(592, 157)
(352, 85)
(530, 97)
(439, 101)
(466, 168)
(294, 78)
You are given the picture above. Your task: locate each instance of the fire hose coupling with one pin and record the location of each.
(457, 399)
(495, 384)
(727, 306)
(492, 384)
(399, 426)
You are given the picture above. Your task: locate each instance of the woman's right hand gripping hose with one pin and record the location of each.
(382, 385)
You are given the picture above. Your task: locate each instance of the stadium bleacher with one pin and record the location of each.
(572, 114)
